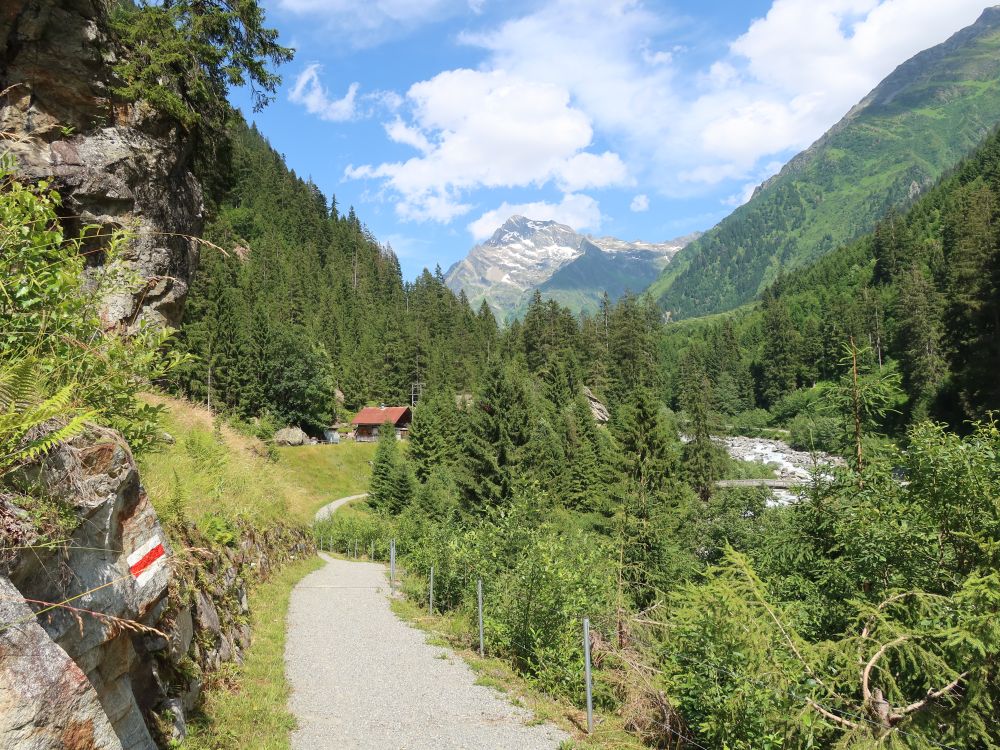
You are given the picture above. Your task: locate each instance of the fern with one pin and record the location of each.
(25, 432)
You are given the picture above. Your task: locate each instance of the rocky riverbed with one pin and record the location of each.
(787, 463)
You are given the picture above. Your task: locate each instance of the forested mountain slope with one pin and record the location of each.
(310, 303)
(929, 113)
(921, 294)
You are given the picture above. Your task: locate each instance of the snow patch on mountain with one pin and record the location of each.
(525, 253)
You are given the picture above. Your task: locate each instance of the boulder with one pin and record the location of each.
(46, 701)
(94, 477)
(290, 436)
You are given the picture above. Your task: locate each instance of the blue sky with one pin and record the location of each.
(436, 119)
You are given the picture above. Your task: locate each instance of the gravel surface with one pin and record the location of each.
(327, 510)
(361, 678)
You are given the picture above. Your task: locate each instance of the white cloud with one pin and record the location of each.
(400, 132)
(309, 92)
(639, 203)
(782, 83)
(478, 129)
(575, 210)
(586, 170)
(588, 94)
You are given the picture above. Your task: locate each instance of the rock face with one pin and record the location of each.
(597, 408)
(130, 645)
(96, 479)
(115, 164)
(46, 700)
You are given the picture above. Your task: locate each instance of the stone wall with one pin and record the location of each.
(115, 164)
(123, 668)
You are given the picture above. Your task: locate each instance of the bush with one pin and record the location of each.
(810, 432)
(539, 582)
(797, 402)
(49, 315)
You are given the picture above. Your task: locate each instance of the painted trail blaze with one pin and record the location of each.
(146, 560)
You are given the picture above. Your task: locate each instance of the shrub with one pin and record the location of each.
(49, 315)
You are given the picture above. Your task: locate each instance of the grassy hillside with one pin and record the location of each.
(920, 121)
(218, 471)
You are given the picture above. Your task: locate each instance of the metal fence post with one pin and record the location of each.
(372, 557)
(430, 594)
(586, 668)
(479, 601)
(392, 564)
(355, 549)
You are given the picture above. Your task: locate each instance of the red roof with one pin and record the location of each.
(375, 415)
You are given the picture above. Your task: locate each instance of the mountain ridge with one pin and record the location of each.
(526, 254)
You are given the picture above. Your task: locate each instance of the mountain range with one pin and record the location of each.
(903, 136)
(576, 270)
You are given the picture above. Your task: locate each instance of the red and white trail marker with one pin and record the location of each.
(147, 559)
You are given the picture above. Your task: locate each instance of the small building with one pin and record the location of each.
(371, 419)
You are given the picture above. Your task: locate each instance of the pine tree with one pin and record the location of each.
(919, 341)
(780, 361)
(701, 457)
(383, 485)
(497, 427)
(972, 251)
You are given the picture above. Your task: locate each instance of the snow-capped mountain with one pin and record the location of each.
(576, 269)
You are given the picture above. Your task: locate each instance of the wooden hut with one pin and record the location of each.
(371, 419)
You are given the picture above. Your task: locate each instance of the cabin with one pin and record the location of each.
(371, 419)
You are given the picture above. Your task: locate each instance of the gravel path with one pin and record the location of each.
(361, 678)
(328, 510)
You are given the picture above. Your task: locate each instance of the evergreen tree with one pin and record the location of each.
(497, 427)
(780, 361)
(919, 341)
(972, 252)
(701, 457)
(384, 483)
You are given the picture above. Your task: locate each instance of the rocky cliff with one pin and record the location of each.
(116, 164)
(107, 626)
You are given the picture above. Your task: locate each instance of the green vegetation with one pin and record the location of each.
(918, 297)
(309, 302)
(183, 56)
(211, 471)
(247, 705)
(919, 122)
(50, 324)
(328, 472)
(862, 616)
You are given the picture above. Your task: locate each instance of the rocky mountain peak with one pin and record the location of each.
(525, 254)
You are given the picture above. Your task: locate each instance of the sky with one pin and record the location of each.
(438, 119)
